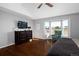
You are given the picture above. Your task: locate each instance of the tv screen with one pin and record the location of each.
(22, 24)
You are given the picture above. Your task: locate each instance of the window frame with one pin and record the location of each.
(61, 26)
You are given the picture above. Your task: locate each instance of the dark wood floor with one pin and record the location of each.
(34, 48)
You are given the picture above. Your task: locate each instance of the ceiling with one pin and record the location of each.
(30, 9)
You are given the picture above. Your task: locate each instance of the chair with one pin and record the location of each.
(57, 35)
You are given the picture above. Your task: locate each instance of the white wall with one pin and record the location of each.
(38, 29)
(8, 23)
(16, 7)
(74, 28)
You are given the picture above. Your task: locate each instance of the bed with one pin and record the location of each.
(64, 47)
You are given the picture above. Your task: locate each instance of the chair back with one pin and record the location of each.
(58, 32)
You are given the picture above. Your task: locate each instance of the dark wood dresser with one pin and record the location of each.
(22, 36)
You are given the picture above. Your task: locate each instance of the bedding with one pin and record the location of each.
(64, 47)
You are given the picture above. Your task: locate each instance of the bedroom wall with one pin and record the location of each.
(74, 28)
(39, 24)
(73, 24)
(8, 23)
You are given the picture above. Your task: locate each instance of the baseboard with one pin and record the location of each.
(7, 45)
(36, 38)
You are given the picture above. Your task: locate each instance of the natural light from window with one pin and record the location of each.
(49, 27)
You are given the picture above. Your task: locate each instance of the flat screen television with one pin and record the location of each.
(22, 25)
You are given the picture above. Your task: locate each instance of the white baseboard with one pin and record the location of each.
(7, 45)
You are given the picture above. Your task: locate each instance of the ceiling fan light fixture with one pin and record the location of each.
(48, 4)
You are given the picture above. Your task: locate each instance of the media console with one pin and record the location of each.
(23, 36)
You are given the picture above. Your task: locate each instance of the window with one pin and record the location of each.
(54, 25)
(65, 28)
(49, 27)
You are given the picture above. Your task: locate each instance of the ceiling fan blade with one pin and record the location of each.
(40, 5)
(50, 5)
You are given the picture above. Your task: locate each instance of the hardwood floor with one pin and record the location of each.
(35, 48)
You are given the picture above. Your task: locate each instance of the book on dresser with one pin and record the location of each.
(23, 36)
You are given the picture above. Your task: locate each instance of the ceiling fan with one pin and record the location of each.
(48, 4)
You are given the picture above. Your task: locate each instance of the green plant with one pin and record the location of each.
(57, 28)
